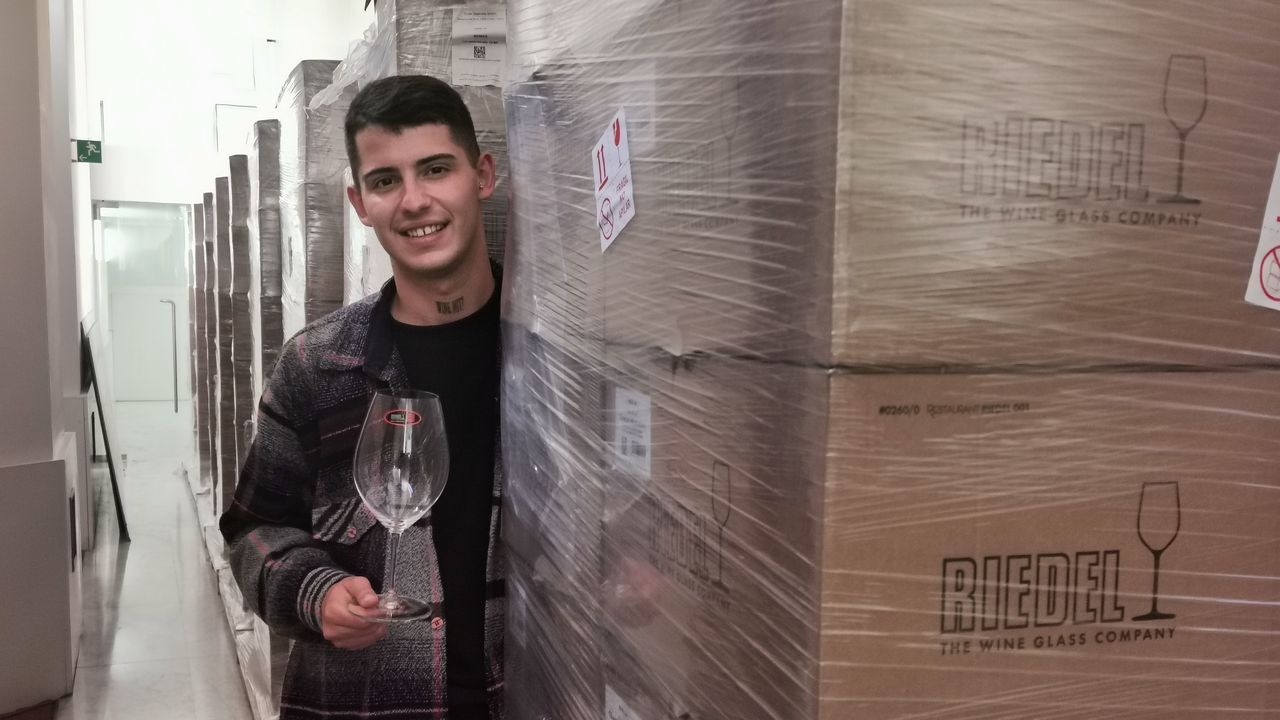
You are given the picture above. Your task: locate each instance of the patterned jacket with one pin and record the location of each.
(297, 527)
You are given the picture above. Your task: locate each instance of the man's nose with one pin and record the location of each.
(417, 195)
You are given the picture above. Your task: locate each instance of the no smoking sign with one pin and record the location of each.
(611, 169)
(1264, 281)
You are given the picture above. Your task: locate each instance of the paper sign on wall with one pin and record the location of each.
(479, 48)
(1264, 280)
(611, 168)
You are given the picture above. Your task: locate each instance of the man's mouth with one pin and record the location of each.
(423, 231)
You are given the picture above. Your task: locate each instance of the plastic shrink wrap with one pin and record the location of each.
(925, 184)
(366, 266)
(242, 328)
(921, 383)
(228, 433)
(210, 415)
(312, 156)
(264, 251)
(200, 369)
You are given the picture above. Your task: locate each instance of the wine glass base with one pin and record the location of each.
(1179, 200)
(1155, 615)
(406, 609)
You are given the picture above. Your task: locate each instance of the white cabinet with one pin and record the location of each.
(39, 579)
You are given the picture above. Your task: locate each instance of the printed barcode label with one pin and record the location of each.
(477, 52)
(632, 429)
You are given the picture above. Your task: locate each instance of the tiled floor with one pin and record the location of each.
(156, 643)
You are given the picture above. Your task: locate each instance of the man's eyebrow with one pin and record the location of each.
(435, 158)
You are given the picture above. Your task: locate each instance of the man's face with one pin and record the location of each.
(421, 195)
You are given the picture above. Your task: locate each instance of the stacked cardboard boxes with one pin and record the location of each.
(928, 387)
(264, 251)
(312, 157)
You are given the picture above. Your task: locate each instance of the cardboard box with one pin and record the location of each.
(970, 185)
(880, 546)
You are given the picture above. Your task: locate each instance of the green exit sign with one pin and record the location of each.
(89, 151)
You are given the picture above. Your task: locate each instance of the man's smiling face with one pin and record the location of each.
(421, 194)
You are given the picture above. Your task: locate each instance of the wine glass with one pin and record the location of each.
(1159, 519)
(400, 468)
(721, 507)
(1186, 97)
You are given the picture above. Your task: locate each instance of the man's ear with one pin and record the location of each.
(357, 202)
(486, 169)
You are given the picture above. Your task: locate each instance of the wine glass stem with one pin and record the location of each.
(1182, 154)
(393, 546)
(720, 557)
(1155, 581)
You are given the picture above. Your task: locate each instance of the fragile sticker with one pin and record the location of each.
(1264, 278)
(611, 169)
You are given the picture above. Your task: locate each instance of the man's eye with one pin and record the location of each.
(382, 183)
(436, 170)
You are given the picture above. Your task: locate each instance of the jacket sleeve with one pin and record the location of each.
(282, 569)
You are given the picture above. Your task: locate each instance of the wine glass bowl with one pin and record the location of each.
(400, 468)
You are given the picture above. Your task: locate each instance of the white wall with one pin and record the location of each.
(25, 388)
(38, 330)
(160, 69)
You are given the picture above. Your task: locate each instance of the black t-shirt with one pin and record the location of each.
(459, 362)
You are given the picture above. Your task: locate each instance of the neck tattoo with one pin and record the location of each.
(449, 307)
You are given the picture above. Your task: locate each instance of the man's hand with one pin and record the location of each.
(343, 627)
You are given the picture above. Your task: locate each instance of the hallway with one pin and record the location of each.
(156, 645)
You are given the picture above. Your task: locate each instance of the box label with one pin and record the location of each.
(479, 47)
(611, 169)
(632, 431)
(1264, 280)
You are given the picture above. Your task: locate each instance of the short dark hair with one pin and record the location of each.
(407, 101)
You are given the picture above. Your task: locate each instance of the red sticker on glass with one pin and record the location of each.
(402, 418)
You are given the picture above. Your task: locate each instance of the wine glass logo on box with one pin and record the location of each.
(1031, 161)
(1061, 595)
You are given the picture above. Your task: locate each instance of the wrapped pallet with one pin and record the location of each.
(264, 251)
(984, 183)
(886, 421)
(210, 379)
(783, 541)
(228, 452)
(554, 430)
(312, 157)
(199, 359)
(241, 286)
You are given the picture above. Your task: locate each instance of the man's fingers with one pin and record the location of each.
(361, 591)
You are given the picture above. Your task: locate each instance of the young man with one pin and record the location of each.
(306, 553)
